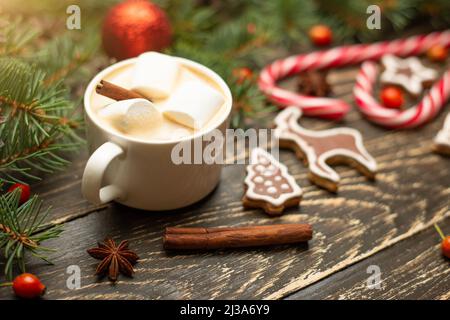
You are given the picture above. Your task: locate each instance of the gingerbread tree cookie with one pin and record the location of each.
(269, 185)
(442, 140)
(408, 73)
(321, 148)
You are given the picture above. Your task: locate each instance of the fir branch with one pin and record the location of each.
(20, 230)
(24, 240)
(64, 71)
(64, 55)
(37, 122)
(37, 112)
(14, 36)
(24, 153)
(249, 105)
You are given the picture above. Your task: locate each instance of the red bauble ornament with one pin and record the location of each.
(25, 191)
(133, 27)
(391, 97)
(321, 35)
(437, 53)
(28, 286)
(242, 74)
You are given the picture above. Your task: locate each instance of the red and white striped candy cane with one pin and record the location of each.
(415, 116)
(337, 57)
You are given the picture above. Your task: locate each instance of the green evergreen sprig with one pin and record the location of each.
(21, 231)
(14, 36)
(36, 122)
(39, 118)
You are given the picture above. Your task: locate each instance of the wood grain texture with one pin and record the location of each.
(62, 192)
(411, 269)
(365, 218)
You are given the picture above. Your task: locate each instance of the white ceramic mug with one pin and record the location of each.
(141, 174)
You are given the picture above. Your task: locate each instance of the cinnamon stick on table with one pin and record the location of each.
(221, 238)
(116, 92)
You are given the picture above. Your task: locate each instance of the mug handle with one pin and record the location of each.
(91, 184)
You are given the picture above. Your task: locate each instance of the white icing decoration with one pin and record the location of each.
(443, 136)
(272, 190)
(267, 173)
(256, 155)
(268, 183)
(259, 179)
(260, 168)
(277, 178)
(293, 114)
(284, 186)
(413, 83)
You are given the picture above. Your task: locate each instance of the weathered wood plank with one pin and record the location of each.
(62, 191)
(411, 269)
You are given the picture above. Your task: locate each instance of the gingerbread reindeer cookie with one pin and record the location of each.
(269, 185)
(442, 140)
(321, 148)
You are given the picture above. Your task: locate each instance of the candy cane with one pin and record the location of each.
(424, 111)
(337, 57)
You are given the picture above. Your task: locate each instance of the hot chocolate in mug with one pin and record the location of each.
(140, 173)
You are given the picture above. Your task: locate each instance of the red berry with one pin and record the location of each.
(445, 246)
(242, 74)
(392, 97)
(437, 53)
(25, 193)
(28, 286)
(251, 28)
(321, 35)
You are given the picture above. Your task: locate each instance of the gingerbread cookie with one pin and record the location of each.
(408, 73)
(442, 140)
(321, 148)
(269, 185)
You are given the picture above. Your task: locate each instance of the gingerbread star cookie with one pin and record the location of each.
(269, 185)
(321, 148)
(442, 140)
(408, 73)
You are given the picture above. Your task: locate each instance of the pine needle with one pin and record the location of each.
(21, 230)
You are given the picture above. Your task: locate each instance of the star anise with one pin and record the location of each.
(114, 258)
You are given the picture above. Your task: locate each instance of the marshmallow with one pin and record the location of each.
(193, 104)
(131, 115)
(154, 75)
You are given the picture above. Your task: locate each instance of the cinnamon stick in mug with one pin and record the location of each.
(238, 237)
(116, 92)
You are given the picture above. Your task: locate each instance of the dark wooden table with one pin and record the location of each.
(387, 223)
